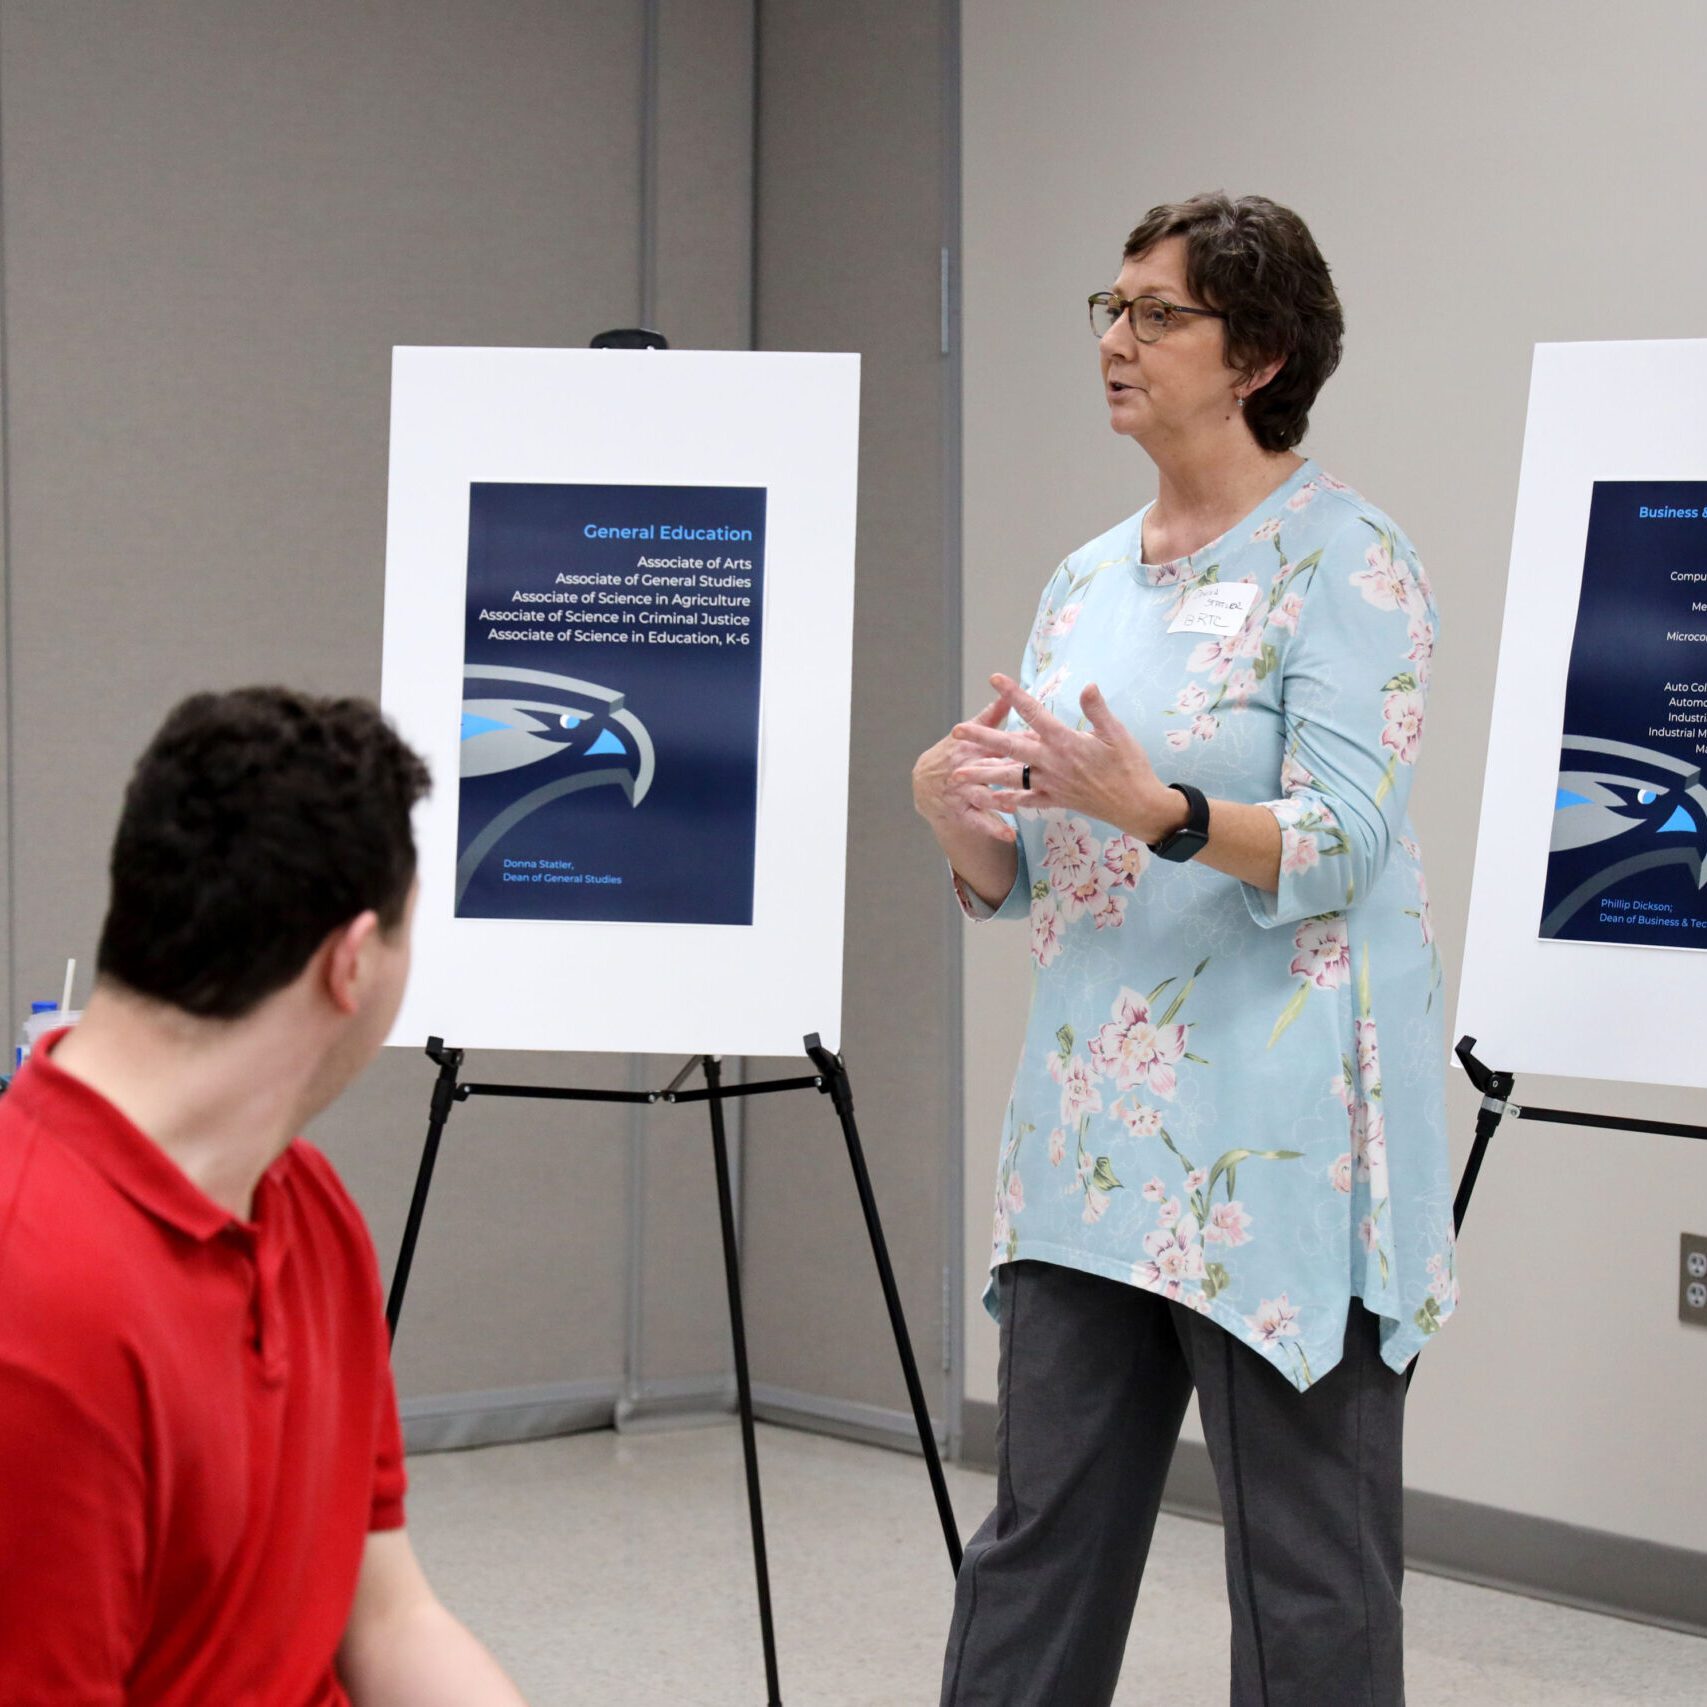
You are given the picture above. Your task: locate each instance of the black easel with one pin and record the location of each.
(1496, 1088)
(829, 1078)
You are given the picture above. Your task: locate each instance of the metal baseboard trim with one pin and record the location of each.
(1621, 1576)
(449, 1422)
(846, 1419)
(1191, 1490)
(685, 1402)
(977, 1435)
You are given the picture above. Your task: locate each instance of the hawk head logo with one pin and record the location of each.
(1620, 809)
(564, 733)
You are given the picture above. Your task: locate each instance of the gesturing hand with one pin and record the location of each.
(1102, 771)
(942, 794)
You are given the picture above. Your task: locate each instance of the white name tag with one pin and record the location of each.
(1219, 608)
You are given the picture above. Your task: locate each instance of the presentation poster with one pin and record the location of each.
(619, 617)
(1591, 832)
(1624, 862)
(610, 703)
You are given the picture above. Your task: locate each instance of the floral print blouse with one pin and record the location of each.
(1230, 1096)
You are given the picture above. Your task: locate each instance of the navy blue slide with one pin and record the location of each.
(1625, 863)
(610, 703)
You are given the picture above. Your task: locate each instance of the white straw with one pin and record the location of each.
(65, 999)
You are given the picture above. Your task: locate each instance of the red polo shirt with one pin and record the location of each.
(197, 1421)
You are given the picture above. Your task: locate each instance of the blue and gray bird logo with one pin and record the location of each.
(567, 734)
(1620, 809)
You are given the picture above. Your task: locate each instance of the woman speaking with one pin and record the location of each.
(1224, 1165)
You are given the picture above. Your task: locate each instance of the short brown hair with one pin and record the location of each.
(256, 822)
(1257, 263)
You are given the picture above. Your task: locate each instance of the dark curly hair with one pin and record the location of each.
(256, 822)
(1257, 262)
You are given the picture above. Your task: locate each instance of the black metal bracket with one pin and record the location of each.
(1497, 1088)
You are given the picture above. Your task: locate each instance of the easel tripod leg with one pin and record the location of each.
(1486, 1120)
(841, 1094)
(1496, 1088)
(444, 1095)
(743, 1383)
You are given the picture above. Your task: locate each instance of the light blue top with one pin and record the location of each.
(1231, 1096)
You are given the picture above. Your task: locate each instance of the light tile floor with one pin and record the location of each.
(609, 1569)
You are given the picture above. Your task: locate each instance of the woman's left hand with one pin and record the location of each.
(1102, 771)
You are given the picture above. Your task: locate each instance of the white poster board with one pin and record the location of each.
(1599, 413)
(619, 628)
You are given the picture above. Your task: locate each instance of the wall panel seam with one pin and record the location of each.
(648, 163)
(954, 1127)
(756, 102)
(8, 927)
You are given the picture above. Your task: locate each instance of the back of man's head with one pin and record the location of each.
(257, 822)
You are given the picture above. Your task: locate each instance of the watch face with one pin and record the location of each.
(1182, 845)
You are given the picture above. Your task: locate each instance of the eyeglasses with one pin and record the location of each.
(1152, 317)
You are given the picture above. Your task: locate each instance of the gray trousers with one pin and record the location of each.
(1095, 1377)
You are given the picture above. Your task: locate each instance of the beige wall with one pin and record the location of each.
(216, 219)
(1479, 178)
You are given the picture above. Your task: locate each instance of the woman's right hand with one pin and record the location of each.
(974, 837)
(955, 803)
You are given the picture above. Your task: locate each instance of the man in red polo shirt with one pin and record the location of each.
(201, 1472)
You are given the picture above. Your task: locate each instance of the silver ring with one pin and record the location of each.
(1025, 776)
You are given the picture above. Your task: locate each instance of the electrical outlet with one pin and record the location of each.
(1692, 1281)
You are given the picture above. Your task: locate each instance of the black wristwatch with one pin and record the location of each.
(1191, 838)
